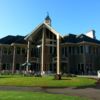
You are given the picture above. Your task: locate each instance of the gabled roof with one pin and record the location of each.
(12, 39)
(20, 40)
(39, 26)
(82, 37)
(7, 40)
(71, 38)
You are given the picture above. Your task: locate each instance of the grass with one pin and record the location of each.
(12, 95)
(46, 81)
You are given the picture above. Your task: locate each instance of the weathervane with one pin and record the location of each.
(47, 13)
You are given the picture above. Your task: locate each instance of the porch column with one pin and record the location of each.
(14, 56)
(58, 54)
(68, 60)
(42, 52)
(84, 59)
(0, 65)
(28, 55)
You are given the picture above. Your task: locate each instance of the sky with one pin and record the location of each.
(20, 17)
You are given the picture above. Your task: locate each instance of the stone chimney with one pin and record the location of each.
(91, 34)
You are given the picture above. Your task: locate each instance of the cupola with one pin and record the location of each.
(48, 20)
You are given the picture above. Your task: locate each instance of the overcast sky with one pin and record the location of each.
(20, 17)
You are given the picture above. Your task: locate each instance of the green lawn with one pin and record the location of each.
(46, 81)
(12, 95)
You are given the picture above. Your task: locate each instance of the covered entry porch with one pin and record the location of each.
(43, 49)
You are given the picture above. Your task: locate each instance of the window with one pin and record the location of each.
(23, 50)
(96, 50)
(81, 49)
(87, 49)
(73, 50)
(55, 52)
(51, 36)
(51, 42)
(77, 50)
(17, 66)
(79, 67)
(70, 50)
(82, 66)
(54, 42)
(54, 37)
(3, 66)
(8, 66)
(18, 50)
(9, 51)
(33, 52)
(93, 50)
(66, 51)
(47, 33)
(90, 49)
(63, 51)
(50, 50)
(5, 50)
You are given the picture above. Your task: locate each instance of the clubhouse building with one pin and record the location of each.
(45, 50)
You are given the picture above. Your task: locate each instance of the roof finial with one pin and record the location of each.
(47, 13)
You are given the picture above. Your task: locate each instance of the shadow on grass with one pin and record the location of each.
(8, 76)
(64, 79)
(84, 87)
(53, 87)
(5, 77)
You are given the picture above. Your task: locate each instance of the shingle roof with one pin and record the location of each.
(71, 38)
(85, 38)
(33, 33)
(12, 39)
(20, 40)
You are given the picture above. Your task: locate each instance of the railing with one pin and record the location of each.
(63, 59)
(54, 59)
(35, 59)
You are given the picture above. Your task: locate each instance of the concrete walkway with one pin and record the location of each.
(90, 92)
(89, 76)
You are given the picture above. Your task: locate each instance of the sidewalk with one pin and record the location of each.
(89, 92)
(89, 76)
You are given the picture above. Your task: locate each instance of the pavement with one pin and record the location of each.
(93, 93)
(88, 76)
